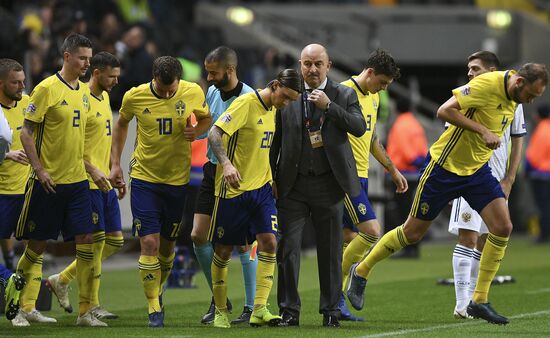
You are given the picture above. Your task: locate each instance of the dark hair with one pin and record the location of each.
(9, 65)
(75, 41)
(167, 69)
(544, 111)
(103, 60)
(383, 63)
(223, 55)
(532, 72)
(403, 105)
(488, 59)
(291, 79)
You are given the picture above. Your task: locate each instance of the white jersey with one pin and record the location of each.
(462, 215)
(5, 135)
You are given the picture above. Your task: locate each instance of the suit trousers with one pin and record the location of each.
(322, 199)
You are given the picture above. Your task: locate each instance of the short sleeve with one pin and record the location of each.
(474, 94)
(518, 124)
(235, 116)
(39, 104)
(200, 107)
(127, 109)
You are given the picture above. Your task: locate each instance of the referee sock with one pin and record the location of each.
(30, 266)
(462, 267)
(166, 264)
(492, 255)
(97, 247)
(84, 275)
(249, 275)
(264, 277)
(205, 254)
(149, 272)
(476, 256)
(219, 279)
(389, 244)
(355, 252)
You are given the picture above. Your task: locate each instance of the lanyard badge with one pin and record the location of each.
(315, 137)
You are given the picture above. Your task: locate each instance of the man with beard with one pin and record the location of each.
(221, 66)
(105, 69)
(456, 166)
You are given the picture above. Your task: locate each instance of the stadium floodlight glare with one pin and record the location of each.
(240, 15)
(499, 19)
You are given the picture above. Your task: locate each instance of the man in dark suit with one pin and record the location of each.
(313, 166)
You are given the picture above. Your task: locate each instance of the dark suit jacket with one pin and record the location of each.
(343, 116)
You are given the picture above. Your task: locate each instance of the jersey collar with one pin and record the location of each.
(67, 84)
(8, 107)
(261, 101)
(358, 87)
(158, 96)
(506, 84)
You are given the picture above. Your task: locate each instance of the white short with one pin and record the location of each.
(464, 217)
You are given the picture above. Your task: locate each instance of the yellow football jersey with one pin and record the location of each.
(13, 175)
(61, 112)
(249, 126)
(162, 155)
(485, 100)
(361, 145)
(97, 141)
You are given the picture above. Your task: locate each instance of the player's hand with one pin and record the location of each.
(100, 180)
(46, 180)
(491, 140)
(116, 178)
(189, 131)
(121, 191)
(506, 186)
(274, 190)
(231, 175)
(319, 98)
(400, 181)
(18, 156)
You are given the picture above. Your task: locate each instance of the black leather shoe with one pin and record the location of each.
(331, 321)
(289, 320)
(486, 311)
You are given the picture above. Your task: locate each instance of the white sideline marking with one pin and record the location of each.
(534, 292)
(447, 326)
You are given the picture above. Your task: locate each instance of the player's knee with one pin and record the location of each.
(468, 240)
(503, 229)
(267, 243)
(149, 245)
(413, 236)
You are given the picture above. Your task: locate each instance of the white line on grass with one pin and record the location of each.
(534, 292)
(447, 326)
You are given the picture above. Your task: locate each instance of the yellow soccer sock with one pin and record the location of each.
(30, 266)
(149, 272)
(355, 252)
(264, 277)
(84, 275)
(97, 247)
(390, 243)
(493, 252)
(69, 274)
(166, 264)
(113, 244)
(219, 281)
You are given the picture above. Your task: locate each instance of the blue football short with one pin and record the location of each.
(437, 187)
(157, 208)
(237, 220)
(105, 211)
(10, 209)
(44, 215)
(358, 209)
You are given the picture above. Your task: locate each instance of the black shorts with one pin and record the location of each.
(205, 198)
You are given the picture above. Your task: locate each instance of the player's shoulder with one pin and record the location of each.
(46, 84)
(143, 89)
(246, 89)
(190, 86)
(489, 78)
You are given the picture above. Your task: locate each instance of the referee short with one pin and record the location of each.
(205, 198)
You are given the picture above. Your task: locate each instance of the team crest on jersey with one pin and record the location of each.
(85, 101)
(31, 225)
(180, 108)
(220, 232)
(226, 118)
(466, 217)
(31, 109)
(362, 208)
(465, 90)
(424, 208)
(95, 218)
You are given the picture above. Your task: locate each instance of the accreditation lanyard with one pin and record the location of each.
(315, 137)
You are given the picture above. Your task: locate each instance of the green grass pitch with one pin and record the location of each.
(402, 299)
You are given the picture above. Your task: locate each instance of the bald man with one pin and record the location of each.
(314, 167)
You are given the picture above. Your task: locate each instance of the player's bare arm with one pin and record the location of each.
(513, 165)
(450, 112)
(120, 133)
(98, 176)
(230, 174)
(379, 152)
(30, 149)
